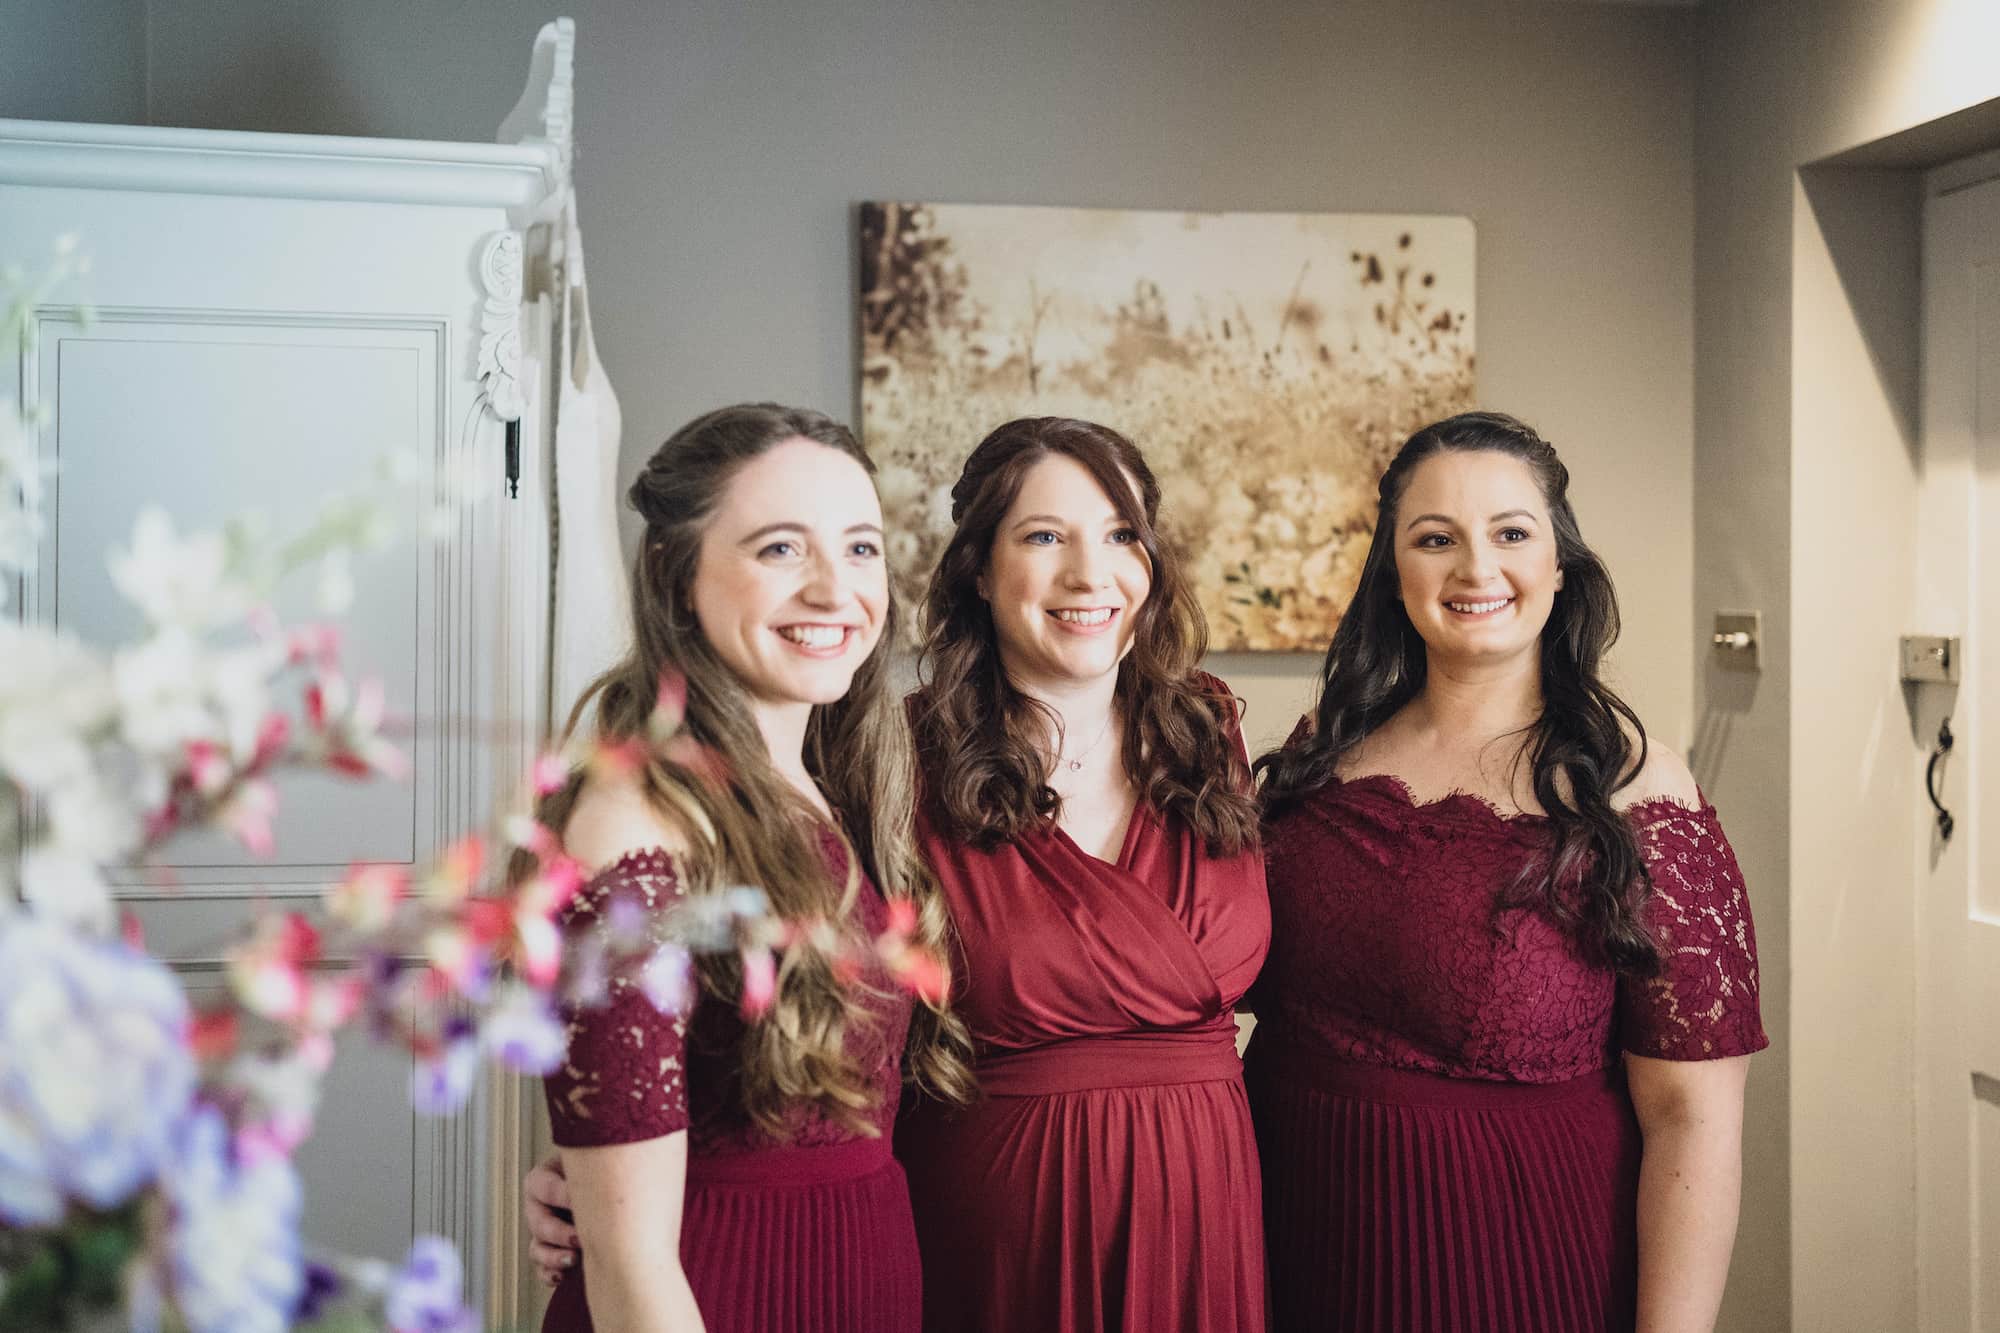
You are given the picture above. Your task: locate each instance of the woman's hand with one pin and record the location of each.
(553, 1243)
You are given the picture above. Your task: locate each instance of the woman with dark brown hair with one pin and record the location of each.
(1501, 1044)
(724, 1173)
(1086, 809)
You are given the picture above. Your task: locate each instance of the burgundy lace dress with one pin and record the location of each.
(811, 1234)
(1440, 1102)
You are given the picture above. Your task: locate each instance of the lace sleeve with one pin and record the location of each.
(1703, 1005)
(625, 1077)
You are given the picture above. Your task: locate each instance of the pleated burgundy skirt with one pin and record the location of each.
(1107, 1185)
(1407, 1201)
(789, 1239)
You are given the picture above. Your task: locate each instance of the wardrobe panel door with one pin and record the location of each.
(222, 415)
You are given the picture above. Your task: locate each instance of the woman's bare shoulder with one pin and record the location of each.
(614, 816)
(1664, 775)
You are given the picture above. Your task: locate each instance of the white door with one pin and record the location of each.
(1958, 880)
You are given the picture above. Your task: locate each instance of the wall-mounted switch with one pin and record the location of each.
(1738, 639)
(1930, 659)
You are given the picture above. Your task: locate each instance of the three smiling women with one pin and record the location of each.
(1497, 1081)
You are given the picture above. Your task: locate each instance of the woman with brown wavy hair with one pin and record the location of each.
(1086, 808)
(723, 1173)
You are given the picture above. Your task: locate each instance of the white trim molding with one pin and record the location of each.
(295, 166)
(500, 324)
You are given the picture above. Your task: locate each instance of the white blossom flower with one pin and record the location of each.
(21, 472)
(67, 888)
(239, 688)
(94, 820)
(336, 583)
(21, 468)
(162, 702)
(185, 582)
(55, 696)
(248, 813)
(282, 1090)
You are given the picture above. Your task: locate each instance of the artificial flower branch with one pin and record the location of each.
(146, 1144)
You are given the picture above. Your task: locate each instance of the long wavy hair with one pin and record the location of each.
(984, 743)
(755, 828)
(1586, 745)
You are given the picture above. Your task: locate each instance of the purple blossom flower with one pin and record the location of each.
(322, 1288)
(440, 1086)
(427, 1293)
(524, 1032)
(233, 1232)
(94, 1075)
(626, 919)
(668, 980)
(588, 979)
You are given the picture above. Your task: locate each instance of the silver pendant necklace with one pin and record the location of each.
(1075, 763)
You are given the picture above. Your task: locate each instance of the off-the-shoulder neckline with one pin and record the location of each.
(661, 857)
(654, 852)
(1640, 812)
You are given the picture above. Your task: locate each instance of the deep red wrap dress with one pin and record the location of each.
(812, 1233)
(1108, 1179)
(1446, 1137)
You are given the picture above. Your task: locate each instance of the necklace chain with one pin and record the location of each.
(1074, 763)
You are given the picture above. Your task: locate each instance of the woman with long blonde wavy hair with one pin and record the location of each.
(726, 1172)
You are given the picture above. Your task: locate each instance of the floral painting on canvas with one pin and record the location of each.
(1266, 364)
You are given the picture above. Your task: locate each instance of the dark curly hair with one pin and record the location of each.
(981, 742)
(1586, 745)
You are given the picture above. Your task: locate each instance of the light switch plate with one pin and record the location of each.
(1930, 659)
(1739, 640)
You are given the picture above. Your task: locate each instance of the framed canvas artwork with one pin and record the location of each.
(1266, 364)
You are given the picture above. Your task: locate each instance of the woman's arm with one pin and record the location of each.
(1687, 1035)
(627, 1202)
(1690, 1180)
(626, 1197)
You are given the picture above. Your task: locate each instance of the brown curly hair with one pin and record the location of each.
(857, 749)
(981, 741)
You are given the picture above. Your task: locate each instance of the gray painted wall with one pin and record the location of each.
(1806, 294)
(723, 146)
(81, 61)
(1742, 561)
